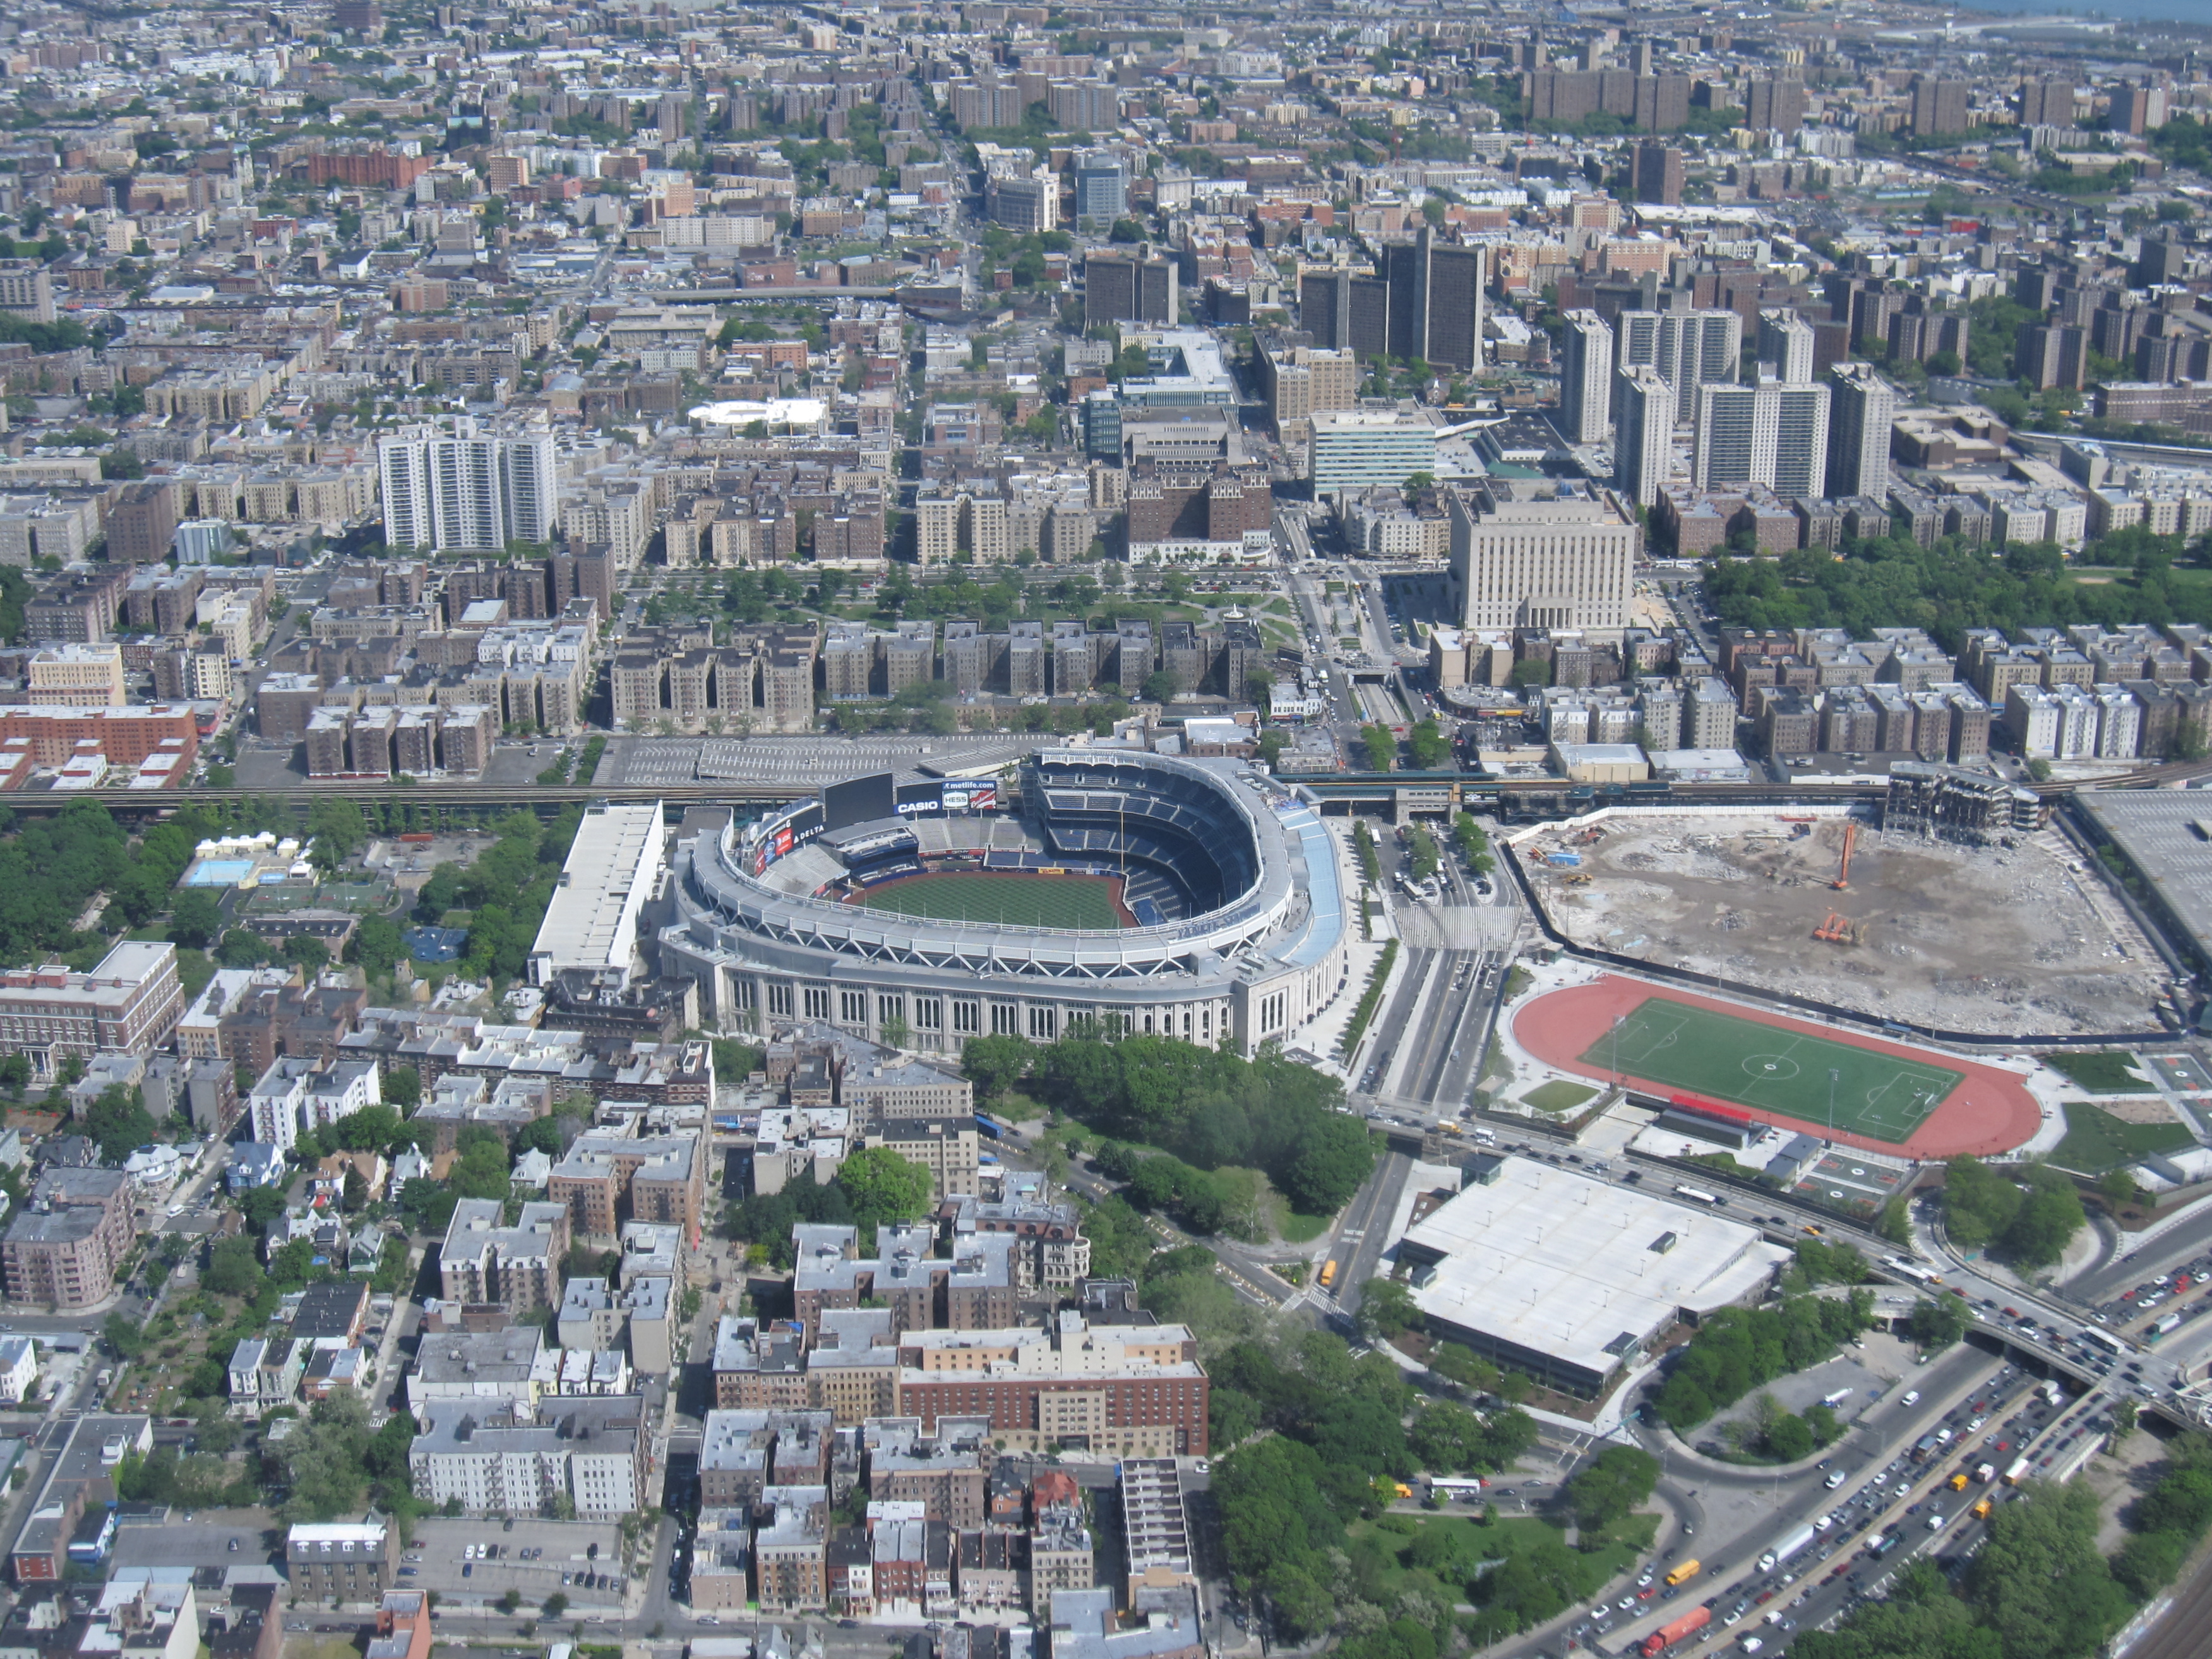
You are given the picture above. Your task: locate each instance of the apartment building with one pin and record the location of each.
(349, 1562)
(606, 1179)
(744, 1452)
(1131, 1390)
(946, 1147)
(63, 1248)
(591, 1450)
(484, 1260)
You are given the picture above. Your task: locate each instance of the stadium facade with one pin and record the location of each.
(1234, 883)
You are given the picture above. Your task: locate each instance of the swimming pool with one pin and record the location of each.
(218, 873)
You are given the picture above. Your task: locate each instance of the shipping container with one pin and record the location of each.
(1667, 1635)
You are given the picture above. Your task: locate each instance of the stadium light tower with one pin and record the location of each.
(1619, 1020)
(1832, 1103)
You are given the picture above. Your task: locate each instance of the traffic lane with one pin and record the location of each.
(1851, 1524)
(2185, 1241)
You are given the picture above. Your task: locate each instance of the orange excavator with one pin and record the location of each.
(1842, 883)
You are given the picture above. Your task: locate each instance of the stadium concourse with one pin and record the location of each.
(1888, 1096)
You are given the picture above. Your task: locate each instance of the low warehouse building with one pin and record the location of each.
(1568, 1278)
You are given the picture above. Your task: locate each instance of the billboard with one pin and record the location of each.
(858, 800)
(918, 800)
(778, 839)
(970, 794)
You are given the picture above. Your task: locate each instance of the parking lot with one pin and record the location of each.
(533, 1557)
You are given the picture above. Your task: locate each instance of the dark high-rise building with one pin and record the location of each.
(1406, 267)
(2047, 357)
(1776, 106)
(1432, 302)
(1130, 288)
(1659, 174)
(1325, 307)
(1938, 106)
(1455, 285)
(1655, 103)
(1370, 311)
(2047, 103)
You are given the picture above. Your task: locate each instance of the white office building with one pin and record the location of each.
(1562, 559)
(1361, 449)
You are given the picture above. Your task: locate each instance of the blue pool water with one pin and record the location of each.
(219, 873)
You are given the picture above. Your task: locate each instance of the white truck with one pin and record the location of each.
(1789, 1547)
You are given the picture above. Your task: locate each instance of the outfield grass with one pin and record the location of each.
(2102, 1074)
(2097, 1141)
(1558, 1096)
(1080, 901)
(1677, 1046)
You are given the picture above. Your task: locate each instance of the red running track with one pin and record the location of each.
(1990, 1111)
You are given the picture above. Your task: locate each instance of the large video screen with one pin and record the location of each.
(857, 800)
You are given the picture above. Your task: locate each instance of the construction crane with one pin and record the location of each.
(1842, 883)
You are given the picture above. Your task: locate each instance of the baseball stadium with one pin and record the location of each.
(1143, 892)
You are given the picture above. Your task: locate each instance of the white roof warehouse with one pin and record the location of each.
(1566, 1278)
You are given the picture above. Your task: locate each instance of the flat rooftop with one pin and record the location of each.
(2167, 833)
(593, 919)
(1565, 1266)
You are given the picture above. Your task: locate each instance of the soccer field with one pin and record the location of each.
(1084, 902)
(1767, 1068)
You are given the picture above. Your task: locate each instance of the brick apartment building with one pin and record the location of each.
(62, 1250)
(345, 1561)
(129, 1003)
(606, 1179)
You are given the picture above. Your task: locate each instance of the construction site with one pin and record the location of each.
(2002, 938)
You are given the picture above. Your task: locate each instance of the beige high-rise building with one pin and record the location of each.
(1554, 561)
(77, 676)
(1772, 434)
(1302, 382)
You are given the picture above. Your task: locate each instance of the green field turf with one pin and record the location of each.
(1765, 1068)
(1016, 901)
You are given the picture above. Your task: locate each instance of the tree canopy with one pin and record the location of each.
(2028, 1222)
(1212, 1110)
(884, 1189)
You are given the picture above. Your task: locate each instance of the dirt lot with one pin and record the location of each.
(1985, 939)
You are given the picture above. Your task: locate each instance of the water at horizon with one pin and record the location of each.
(2172, 11)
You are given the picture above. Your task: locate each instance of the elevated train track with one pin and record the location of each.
(1514, 797)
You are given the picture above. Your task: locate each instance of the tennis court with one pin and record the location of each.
(1677, 1045)
(1079, 902)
